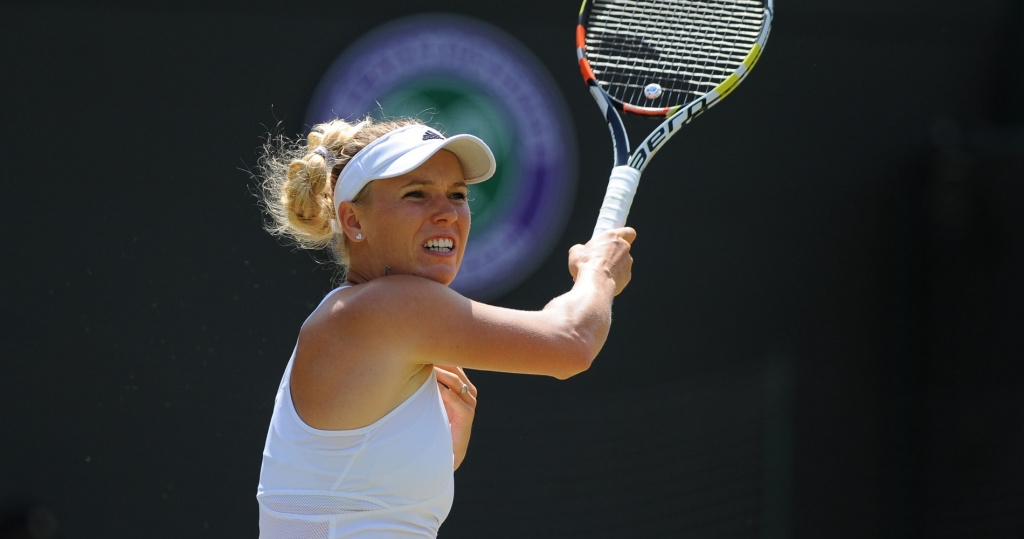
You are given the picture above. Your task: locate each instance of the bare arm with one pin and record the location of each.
(366, 349)
(424, 322)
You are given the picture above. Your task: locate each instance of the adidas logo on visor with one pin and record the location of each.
(432, 135)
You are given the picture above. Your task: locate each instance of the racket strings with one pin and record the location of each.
(686, 47)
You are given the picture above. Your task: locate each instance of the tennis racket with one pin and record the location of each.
(670, 59)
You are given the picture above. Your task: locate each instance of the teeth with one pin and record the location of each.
(444, 244)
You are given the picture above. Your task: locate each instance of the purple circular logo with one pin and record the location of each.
(464, 76)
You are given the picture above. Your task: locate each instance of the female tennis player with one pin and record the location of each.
(374, 410)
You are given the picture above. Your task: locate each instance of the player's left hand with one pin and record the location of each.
(459, 397)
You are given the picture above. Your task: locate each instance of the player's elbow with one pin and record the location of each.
(574, 342)
(575, 361)
(571, 368)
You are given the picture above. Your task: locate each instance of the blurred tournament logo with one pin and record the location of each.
(464, 76)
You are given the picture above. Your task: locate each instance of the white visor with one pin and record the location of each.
(404, 149)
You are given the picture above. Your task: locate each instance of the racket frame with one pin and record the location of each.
(628, 166)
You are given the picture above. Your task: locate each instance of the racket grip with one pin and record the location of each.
(617, 199)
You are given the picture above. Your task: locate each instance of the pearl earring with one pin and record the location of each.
(359, 236)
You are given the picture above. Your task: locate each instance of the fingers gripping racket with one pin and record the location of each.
(669, 59)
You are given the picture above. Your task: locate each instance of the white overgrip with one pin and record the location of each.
(617, 199)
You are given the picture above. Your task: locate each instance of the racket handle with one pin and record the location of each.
(618, 198)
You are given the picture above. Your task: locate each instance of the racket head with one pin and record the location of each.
(655, 57)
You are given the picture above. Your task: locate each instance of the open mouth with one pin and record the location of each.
(440, 245)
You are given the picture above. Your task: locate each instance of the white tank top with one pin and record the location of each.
(392, 479)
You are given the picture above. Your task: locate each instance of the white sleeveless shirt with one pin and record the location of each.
(392, 479)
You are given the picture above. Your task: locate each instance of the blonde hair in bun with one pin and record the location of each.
(297, 181)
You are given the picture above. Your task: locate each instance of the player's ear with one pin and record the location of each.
(351, 224)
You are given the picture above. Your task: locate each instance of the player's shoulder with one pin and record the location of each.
(394, 309)
(385, 298)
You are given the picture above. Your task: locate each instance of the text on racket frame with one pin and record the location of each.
(653, 142)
